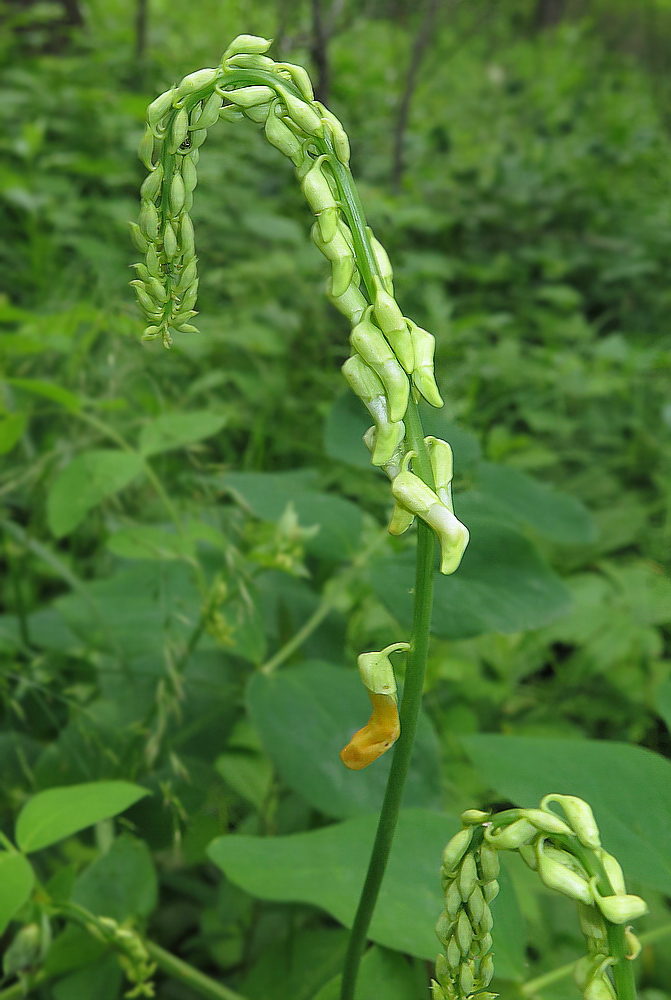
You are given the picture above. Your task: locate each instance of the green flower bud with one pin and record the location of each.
(169, 241)
(24, 951)
(489, 861)
(444, 928)
(486, 942)
(281, 136)
(146, 149)
(192, 83)
(512, 836)
(316, 187)
(392, 323)
(328, 225)
(187, 328)
(252, 44)
(597, 985)
(342, 272)
(580, 817)
(179, 131)
(464, 933)
(337, 133)
(546, 821)
(177, 194)
(148, 304)
(440, 455)
(490, 891)
(620, 909)
(388, 437)
(157, 110)
(401, 520)
(151, 185)
(197, 137)
(229, 113)
(453, 954)
(420, 499)
(466, 979)
(528, 855)
(186, 234)
(351, 303)
(138, 237)
(186, 278)
(382, 261)
(613, 871)
(299, 78)
(156, 290)
(467, 877)
(337, 249)
(453, 900)
(149, 220)
(248, 97)
(476, 905)
(560, 877)
(259, 113)
(189, 175)
(151, 333)
(188, 300)
(634, 946)
(376, 671)
(591, 924)
(423, 345)
(486, 976)
(304, 115)
(152, 262)
(456, 848)
(247, 61)
(141, 272)
(209, 114)
(437, 992)
(369, 343)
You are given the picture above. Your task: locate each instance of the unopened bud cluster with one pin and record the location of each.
(391, 356)
(565, 853)
(469, 876)
(133, 955)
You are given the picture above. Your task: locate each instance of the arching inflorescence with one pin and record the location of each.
(392, 357)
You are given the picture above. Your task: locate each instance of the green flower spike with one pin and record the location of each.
(420, 499)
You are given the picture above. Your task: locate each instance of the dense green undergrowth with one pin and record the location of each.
(172, 519)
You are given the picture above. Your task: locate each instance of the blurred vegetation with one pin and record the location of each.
(530, 230)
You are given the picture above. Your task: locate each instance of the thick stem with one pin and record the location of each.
(410, 706)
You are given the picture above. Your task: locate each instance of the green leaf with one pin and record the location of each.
(629, 789)
(321, 706)
(101, 980)
(121, 883)
(524, 500)
(16, 879)
(49, 390)
(57, 813)
(663, 702)
(248, 774)
(148, 542)
(12, 427)
(383, 974)
(326, 868)
(175, 430)
(296, 966)
(267, 494)
(85, 482)
(502, 585)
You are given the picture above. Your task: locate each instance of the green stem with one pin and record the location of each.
(410, 706)
(187, 974)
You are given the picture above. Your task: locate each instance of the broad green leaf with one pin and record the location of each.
(524, 500)
(57, 813)
(383, 974)
(121, 883)
(12, 427)
(85, 482)
(306, 714)
(248, 774)
(16, 879)
(296, 966)
(267, 494)
(101, 980)
(49, 390)
(326, 868)
(663, 702)
(502, 585)
(629, 789)
(148, 542)
(175, 430)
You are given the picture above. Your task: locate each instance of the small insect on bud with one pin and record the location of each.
(281, 136)
(179, 131)
(618, 909)
(580, 817)
(560, 877)
(304, 115)
(391, 321)
(367, 340)
(423, 375)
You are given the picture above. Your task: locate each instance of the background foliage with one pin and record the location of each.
(170, 520)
